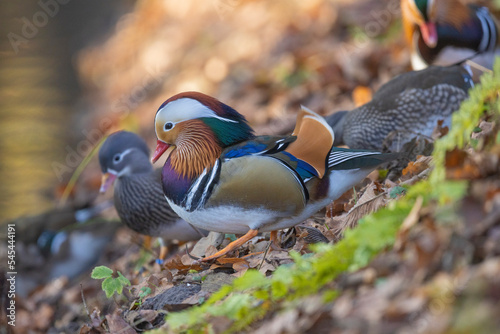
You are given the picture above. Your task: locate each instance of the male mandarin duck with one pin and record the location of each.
(445, 32)
(410, 104)
(220, 177)
(138, 194)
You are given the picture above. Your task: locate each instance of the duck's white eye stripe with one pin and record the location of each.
(127, 151)
(185, 109)
(119, 156)
(429, 8)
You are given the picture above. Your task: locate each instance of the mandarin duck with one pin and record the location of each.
(410, 105)
(445, 32)
(220, 177)
(138, 194)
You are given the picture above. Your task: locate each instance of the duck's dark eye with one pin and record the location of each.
(117, 158)
(168, 126)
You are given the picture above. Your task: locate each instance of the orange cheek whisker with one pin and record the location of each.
(197, 149)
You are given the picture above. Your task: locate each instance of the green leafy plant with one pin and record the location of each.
(397, 191)
(111, 284)
(145, 291)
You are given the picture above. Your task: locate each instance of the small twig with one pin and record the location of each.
(425, 173)
(84, 303)
(192, 256)
(78, 171)
(477, 66)
(409, 221)
(265, 254)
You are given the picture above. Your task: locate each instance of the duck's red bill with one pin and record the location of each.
(161, 147)
(429, 34)
(106, 182)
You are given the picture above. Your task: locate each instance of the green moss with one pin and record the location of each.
(482, 98)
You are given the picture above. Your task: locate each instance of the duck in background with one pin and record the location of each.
(220, 177)
(53, 244)
(138, 194)
(411, 104)
(446, 32)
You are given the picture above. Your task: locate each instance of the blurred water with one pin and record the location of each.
(32, 109)
(39, 91)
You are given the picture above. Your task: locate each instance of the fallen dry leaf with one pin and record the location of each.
(467, 171)
(455, 158)
(96, 324)
(241, 266)
(95, 318)
(417, 167)
(440, 130)
(177, 263)
(312, 235)
(369, 202)
(212, 239)
(486, 130)
(460, 166)
(86, 329)
(340, 205)
(116, 324)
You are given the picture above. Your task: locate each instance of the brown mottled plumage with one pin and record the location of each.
(410, 105)
(138, 195)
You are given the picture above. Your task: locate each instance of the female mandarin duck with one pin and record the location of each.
(138, 196)
(220, 177)
(411, 104)
(445, 32)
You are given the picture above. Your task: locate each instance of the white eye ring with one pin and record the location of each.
(168, 126)
(117, 158)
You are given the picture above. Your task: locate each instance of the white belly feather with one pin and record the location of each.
(237, 220)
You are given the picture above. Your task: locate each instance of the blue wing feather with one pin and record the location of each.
(273, 147)
(304, 169)
(249, 148)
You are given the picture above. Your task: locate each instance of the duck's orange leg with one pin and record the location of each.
(232, 246)
(163, 252)
(274, 237)
(147, 242)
